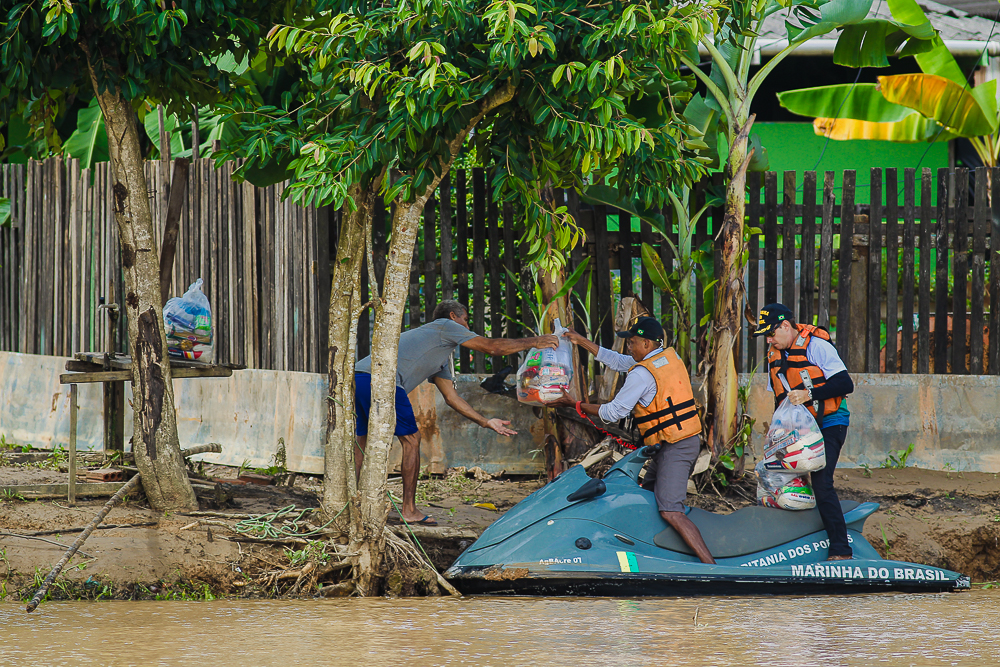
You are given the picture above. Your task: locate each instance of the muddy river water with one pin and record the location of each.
(887, 629)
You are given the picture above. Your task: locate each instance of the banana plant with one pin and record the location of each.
(730, 91)
(691, 262)
(936, 104)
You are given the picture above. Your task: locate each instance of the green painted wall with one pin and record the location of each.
(795, 147)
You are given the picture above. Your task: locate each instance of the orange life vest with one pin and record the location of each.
(672, 415)
(796, 362)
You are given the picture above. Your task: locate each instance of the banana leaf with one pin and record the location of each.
(862, 101)
(4, 212)
(911, 130)
(654, 267)
(172, 126)
(833, 14)
(89, 142)
(937, 60)
(963, 111)
(869, 43)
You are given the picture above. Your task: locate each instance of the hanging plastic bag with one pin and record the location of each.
(188, 323)
(544, 373)
(784, 490)
(794, 441)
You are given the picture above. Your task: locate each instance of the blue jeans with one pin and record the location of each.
(827, 501)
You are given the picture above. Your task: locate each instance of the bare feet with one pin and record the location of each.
(840, 557)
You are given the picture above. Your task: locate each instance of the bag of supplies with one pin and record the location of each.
(544, 373)
(784, 490)
(792, 449)
(794, 441)
(188, 323)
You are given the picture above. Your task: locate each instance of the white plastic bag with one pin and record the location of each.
(794, 441)
(544, 373)
(188, 323)
(784, 490)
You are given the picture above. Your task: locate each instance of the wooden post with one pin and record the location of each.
(826, 252)
(926, 222)
(994, 348)
(875, 264)
(845, 297)
(788, 245)
(960, 271)
(909, 253)
(72, 445)
(891, 270)
(941, 276)
(175, 205)
(857, 334)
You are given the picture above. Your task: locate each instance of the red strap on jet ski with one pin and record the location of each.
(624, 443)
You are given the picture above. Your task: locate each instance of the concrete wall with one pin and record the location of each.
(952, 420)
(248, 412)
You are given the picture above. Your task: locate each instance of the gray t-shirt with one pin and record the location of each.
(425, 352)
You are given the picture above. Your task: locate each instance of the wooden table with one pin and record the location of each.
(114, 371)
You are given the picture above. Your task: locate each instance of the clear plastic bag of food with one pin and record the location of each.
(545, 373)
(188, 323)
(794, 441)
(784, 490)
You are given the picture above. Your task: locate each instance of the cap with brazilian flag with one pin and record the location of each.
(771, 317)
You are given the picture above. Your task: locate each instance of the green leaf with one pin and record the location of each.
(4, 212)
(654, 267)
(862, 101)
(572, 280)
(760, 160)
(152, 125)
(89, 142)
(833, 15)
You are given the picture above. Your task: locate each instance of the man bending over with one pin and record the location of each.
(425, 353)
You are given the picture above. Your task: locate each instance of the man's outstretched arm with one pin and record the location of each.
(499, 347)
(462, 407)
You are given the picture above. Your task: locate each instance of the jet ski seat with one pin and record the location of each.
(747, 530)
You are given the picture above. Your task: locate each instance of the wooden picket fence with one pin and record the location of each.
(266, 264)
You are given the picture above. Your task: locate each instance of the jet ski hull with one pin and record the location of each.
(577, 536)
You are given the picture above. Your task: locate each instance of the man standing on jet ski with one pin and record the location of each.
(657, 391)
(818, 379)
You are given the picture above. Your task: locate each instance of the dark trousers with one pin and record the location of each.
(827, 501)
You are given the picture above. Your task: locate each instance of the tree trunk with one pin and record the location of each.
(722, 380)
(339, 482)
(368, 523)
(155, 442)
(368, 527)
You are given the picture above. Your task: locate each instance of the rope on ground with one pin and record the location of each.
(444, 583)
(127, 488)
(263, 525)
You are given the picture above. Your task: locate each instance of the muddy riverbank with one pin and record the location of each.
(939, 518)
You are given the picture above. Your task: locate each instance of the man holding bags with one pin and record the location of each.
(803, 356)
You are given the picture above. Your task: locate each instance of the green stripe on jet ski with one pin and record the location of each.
(627, 561)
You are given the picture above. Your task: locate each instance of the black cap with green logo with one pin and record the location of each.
(644, 327)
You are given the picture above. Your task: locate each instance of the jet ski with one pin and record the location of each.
(604, 537)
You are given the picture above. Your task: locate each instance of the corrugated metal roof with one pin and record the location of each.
(986, 8)
(952, 23)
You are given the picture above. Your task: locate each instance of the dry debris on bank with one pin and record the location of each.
(941, 518)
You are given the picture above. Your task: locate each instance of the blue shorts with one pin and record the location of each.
(406, 423)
